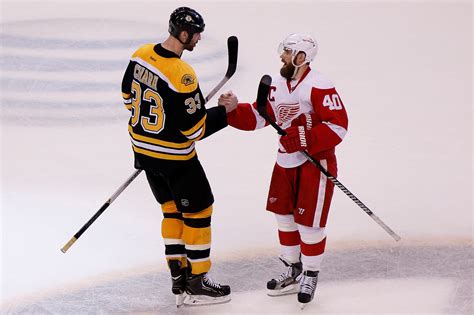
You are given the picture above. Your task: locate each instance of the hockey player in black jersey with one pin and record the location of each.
(168, 115)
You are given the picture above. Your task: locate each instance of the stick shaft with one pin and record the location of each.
(346, 191)
(100, 211)
(107, 203)
(217, 88)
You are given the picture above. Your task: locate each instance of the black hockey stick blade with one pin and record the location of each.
(262, 96)
(233, 50)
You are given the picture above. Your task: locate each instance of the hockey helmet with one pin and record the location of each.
(185, 19)
(295, 43)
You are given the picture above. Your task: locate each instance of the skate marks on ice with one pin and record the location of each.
(68, 70)
(431, 280)
(347, 297)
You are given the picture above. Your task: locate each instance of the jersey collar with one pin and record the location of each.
(164, 52)
(291, 89)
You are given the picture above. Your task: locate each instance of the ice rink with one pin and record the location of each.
(404, 72)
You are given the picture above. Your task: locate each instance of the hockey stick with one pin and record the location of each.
(101, 210)
(232, 48)
(262, 95)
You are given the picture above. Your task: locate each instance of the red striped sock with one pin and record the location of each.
(291, 238)
(313, 249)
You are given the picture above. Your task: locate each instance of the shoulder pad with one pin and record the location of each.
(277, 78)
(320, 81)
(185, 79)
(141, 49)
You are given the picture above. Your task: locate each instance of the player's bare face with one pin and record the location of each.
(194, 40)
(287, 70)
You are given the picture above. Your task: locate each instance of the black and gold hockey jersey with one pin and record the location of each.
(167, 107)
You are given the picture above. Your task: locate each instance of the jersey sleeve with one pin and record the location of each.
(127, 86)
(216, 119)
(333, 119)
(246, 117)
(199, 122)
(193, 113)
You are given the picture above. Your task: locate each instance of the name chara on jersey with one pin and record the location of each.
(145, 76)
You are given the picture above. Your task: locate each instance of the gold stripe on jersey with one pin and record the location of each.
(196, 136)
(127, 100)
(177, 73)
(160, 149)
(174, 145)
(196, 132)
(164, 156)
(149, 68)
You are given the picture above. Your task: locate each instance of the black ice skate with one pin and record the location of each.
(287, 282)
(202, 290)
(178, 280)
(307, 287)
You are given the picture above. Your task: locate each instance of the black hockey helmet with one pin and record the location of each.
(185, 19)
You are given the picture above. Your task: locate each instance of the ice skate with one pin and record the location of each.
(202, 290)
(178, 280)
(287, 282)
(307, 287)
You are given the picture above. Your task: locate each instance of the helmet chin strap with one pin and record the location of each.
(190, 37)
(296, 67)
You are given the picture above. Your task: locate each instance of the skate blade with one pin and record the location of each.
(291, 289)
(179, 300)
(198, 300)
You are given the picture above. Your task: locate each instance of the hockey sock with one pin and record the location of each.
(197, 239)
(172, 230)
(289, 237)
(313, 243)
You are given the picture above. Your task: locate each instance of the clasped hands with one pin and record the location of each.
(228, 100)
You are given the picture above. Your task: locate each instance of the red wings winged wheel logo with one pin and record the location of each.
(286, 112)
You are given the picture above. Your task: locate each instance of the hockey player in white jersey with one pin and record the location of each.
(307, 106)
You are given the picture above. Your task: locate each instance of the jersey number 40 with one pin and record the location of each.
(332, 101)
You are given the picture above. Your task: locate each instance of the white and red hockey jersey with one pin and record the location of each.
(313, 94)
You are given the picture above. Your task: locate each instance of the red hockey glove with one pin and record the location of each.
(297, 139)
(303, 120)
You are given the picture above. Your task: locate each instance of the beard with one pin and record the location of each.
(287, 71)
(189, 47)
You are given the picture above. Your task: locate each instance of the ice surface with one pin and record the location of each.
(404, 73)
(392, 280)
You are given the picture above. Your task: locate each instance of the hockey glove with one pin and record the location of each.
(297, 139)
(304, 120)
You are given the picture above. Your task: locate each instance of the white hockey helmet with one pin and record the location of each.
(295, 43)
